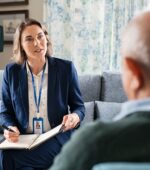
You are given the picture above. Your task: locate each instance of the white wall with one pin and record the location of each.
(35, 8)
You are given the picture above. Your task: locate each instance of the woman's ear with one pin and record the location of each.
(136, 73)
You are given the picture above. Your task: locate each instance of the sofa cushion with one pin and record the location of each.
(90, 87)
(106, 111)
(112, 89)
(89, 112)
(122, 166)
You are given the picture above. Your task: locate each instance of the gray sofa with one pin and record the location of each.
(102, 95)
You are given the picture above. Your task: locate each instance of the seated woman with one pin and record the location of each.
(37, 88)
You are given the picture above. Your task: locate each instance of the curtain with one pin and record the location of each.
(88, 31)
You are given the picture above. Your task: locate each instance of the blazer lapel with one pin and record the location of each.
(24, 90)
(52, 76)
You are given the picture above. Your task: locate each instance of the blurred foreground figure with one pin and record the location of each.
(127, 138)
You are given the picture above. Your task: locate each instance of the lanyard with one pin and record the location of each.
(37, 102)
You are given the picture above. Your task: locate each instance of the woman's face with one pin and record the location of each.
(34, 42)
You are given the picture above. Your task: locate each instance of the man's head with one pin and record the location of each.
(135, 51)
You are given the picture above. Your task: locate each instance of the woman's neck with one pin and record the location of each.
(36, 66)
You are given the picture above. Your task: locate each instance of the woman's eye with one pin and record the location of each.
(40, 36)
(29, 39)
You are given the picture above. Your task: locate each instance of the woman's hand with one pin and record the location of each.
(70, 121)
(12, 136)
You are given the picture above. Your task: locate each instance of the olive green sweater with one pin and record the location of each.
(125, 140)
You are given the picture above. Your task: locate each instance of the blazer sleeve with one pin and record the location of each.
(7, 115)
(75, 99)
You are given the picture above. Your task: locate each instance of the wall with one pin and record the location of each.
(35, 8)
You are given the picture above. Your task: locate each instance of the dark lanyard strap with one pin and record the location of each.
(37, 103)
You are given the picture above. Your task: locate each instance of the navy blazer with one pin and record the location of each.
(63, 90)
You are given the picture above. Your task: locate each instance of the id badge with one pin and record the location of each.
(38, 125)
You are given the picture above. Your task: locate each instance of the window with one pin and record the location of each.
(88, 31)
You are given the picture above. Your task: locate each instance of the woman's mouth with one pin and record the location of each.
(38, 50)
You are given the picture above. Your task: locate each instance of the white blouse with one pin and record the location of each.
(43, 103)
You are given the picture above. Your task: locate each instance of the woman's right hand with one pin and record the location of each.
(12, 136)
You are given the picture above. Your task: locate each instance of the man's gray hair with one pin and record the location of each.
(136, 39)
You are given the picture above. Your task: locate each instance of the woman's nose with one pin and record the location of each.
(36, 42)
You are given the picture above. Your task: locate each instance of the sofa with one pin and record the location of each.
(102, 95)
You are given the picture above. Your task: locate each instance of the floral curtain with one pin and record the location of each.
(88, 31)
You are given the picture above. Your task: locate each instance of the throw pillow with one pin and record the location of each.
(106, 111)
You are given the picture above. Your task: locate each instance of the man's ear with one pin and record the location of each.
(136, 73)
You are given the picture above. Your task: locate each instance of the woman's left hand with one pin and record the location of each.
(70, 121)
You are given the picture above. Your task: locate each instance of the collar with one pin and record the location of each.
(40, 73)
(133, 106)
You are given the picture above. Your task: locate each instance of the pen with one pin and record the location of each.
(62, 128)
(5, 127)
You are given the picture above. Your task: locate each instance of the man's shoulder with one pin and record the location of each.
(98, 141)
(99, 129)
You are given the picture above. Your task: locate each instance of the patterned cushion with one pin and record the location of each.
(106, 111)
(89, 112)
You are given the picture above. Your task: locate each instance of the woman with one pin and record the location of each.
(37, 89)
